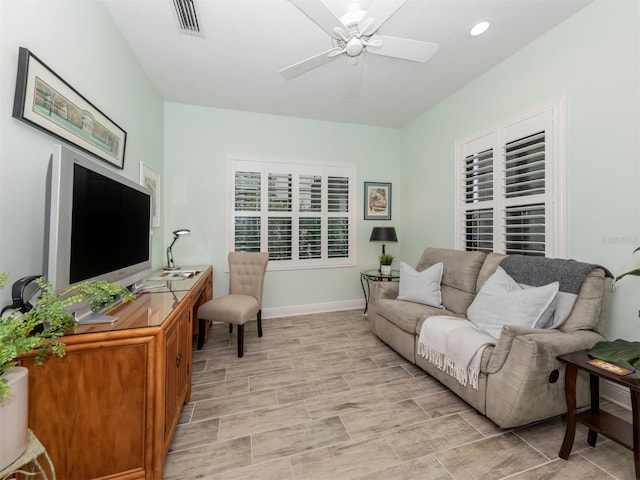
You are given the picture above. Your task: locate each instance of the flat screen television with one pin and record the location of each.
(98, 226)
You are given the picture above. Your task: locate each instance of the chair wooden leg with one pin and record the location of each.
(240, 340)
(259, 318)
(202, 327)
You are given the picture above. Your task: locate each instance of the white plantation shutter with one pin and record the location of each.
(508, 187)
(247, 201)
(478, 197)
(302, 215)
(479, 177)
(338, 217)
(280, 214)
(479, 230)
(525, 230)
(525, 166)
(310, 234)
(524, 192)
(310, 223)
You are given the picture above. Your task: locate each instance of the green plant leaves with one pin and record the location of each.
(618, 350)
(634, 272)
(18, 334)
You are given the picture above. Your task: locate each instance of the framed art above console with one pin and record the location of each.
(46, 101)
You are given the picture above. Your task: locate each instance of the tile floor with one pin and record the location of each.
(320, 397)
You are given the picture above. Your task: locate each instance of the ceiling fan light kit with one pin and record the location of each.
(353, 35)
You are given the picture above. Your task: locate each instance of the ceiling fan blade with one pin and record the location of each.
(404, 48)
(354, 78)
(380, 12)
(309, 64)
(317, 11)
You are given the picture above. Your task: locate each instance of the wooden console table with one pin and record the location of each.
(109, 408)
(621, 432)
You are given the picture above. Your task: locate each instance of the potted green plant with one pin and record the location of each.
(635, 271)
(386, 259)
(38, 329)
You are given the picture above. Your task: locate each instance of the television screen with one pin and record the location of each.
(98, 225)
(109, 225)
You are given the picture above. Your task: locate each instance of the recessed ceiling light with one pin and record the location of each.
(479, 28)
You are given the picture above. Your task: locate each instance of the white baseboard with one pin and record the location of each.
(276, 312)
(616, 394)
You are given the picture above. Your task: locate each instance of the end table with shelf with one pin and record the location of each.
(375, 275)
(596, 420)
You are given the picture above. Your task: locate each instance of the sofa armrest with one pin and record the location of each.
(384, 290)
(529, 384)
(549, 340)
(380, 290)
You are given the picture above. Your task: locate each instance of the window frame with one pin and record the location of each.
(552, 119)
(297, 169)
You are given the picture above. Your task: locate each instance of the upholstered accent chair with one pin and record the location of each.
(244, 301)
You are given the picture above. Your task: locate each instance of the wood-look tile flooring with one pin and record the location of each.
(320, 397)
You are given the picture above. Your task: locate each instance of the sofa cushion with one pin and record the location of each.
(421, 287)
(406, 315)
(501, 301)
(489, 267)
(592, 298)
(459, 277)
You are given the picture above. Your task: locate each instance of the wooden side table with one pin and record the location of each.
(27, 464)
(597, 421)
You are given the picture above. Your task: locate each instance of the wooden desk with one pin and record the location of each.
(111, 405)
(621, 432)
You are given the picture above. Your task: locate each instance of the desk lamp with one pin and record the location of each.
(383, 235)
(176, 234)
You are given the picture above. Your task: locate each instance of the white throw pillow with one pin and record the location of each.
(502, 301)
(421, 287)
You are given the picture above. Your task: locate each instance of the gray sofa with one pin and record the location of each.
(520, 379)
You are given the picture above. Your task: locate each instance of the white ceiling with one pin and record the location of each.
(244, 44)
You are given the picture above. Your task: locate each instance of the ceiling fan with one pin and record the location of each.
(353, 35)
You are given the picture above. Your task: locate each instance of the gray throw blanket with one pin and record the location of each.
(539, 271)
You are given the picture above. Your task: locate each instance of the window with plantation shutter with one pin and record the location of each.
(247, 201)
(509, 184)
(302, 215)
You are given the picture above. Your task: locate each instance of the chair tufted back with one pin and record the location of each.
(246, 273)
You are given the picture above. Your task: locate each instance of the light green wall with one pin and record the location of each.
(198, 141)
(80, 42)
(593, 59)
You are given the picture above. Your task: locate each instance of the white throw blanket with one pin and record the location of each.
(454, 345)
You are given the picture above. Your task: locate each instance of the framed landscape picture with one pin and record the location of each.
(377, 201)
(45, 101)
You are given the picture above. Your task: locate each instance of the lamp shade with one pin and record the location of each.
(384, 235)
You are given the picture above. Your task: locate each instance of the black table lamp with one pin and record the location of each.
(383, 235)
(176, 234)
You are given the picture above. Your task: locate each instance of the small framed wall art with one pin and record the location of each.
(377, 201)
(150, 179)
(47, 102)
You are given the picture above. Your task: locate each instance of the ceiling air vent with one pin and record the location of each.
(187, 17)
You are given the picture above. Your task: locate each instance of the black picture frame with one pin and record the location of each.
(47, 102)
(377, 201)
